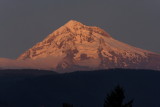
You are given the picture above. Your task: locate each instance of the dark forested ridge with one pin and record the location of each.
(37, 88)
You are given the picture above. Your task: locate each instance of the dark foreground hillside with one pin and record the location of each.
(34, 88)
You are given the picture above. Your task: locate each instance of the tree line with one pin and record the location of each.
(114, 99)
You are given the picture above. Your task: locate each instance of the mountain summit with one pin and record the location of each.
(76, 46)
(68, 37)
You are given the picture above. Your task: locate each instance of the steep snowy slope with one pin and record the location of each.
(75, 46)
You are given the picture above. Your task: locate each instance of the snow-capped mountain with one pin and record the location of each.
(76, 46)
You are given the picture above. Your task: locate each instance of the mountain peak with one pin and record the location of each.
(76, 46)
(73, 23)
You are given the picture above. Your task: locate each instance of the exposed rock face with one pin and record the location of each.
(81, 47)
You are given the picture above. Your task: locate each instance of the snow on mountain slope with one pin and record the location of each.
(75, 46)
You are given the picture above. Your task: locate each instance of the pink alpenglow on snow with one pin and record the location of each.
(76, 46)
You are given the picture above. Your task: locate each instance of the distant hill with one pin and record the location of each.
(37, 88)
